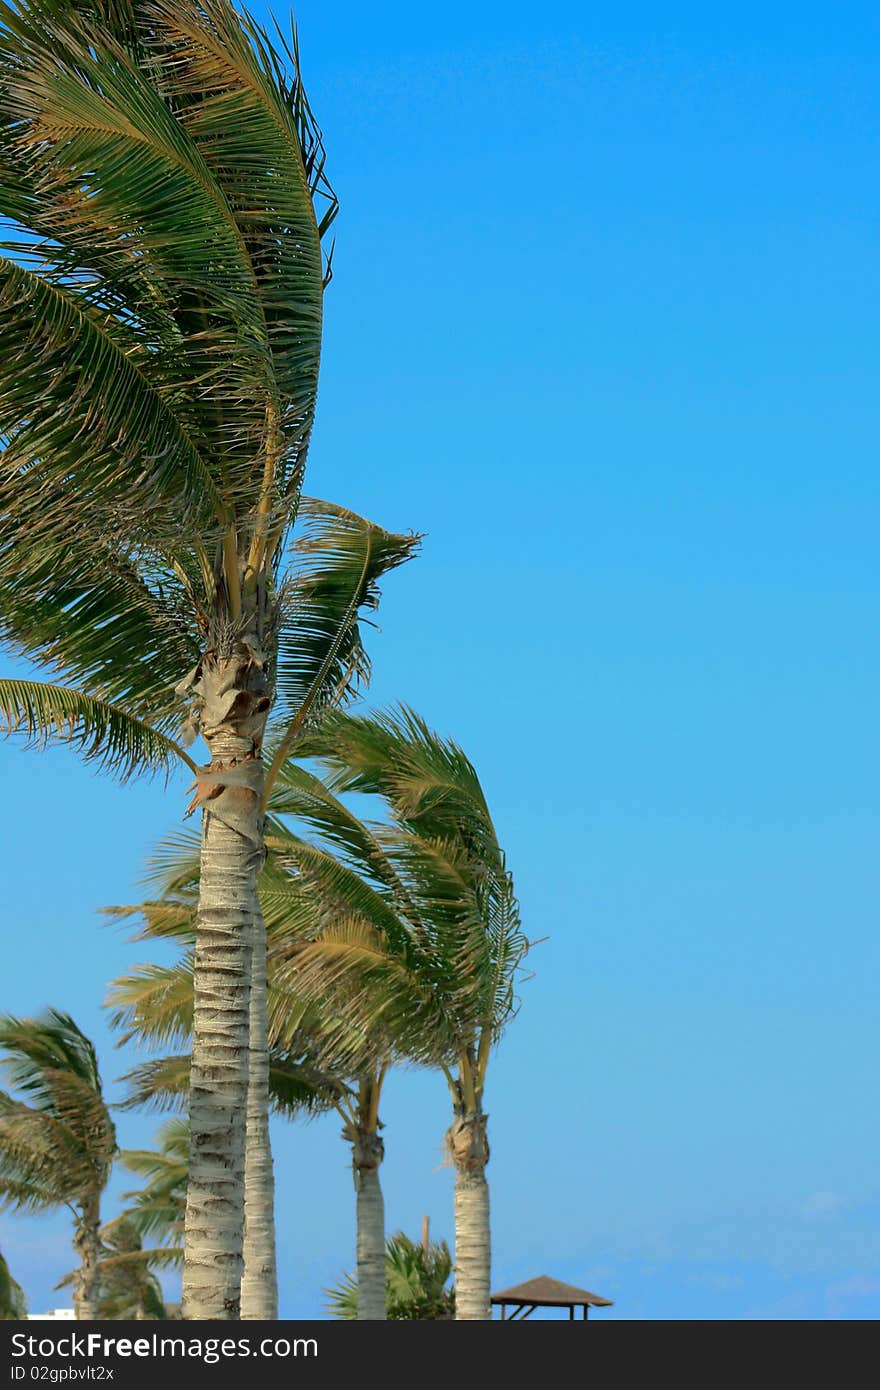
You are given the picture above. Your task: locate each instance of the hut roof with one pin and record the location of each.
(545, 1292)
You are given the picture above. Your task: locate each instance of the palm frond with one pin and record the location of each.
(173, 866)
(372, 999)
(51, 1043)
(76, 410)
(463, 939)
(169, 920)
(319, 888)
(257, 135)
(162, 1083)
(338, 560)
(154, 1003)
(121, 629)
(304, 796)
(100, 732)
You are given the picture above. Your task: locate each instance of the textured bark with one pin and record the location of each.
(259, 1285)
(230, 690)
(87, 1245)
(367, 1154)
(469, 1148)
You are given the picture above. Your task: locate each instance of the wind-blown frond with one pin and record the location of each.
(162, 1083)
(156, 1210)
(82, 419)
(258, 139)
(162, 287)
(101, 732)
(36, 1048)
(298, 1085)
(373, 999)
(303, 795)
(168, 920)
(318, 887)
(338, 560)
(126, 634)
(154, 1003)
(429, 782)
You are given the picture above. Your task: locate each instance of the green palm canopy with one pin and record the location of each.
(163, 190)
(161, 285)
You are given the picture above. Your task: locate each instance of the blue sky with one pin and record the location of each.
(604, 325)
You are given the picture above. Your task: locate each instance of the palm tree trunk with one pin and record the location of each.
(214, 1224)
(469, 1148)
(259, 1285)
(231, 691)
(367, 1154)
(87, 1245)
(233, 703)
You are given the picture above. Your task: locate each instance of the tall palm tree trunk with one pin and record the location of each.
(232, 718)
(259, 1285)
(469, 1147)
(367, 1154)
(87, 1244)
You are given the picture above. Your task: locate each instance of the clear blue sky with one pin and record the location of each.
(605, 326)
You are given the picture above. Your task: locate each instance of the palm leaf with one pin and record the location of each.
(100, 731)
(154, 1003)
(338, 560)
(75, 409)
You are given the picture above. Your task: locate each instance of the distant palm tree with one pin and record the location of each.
(57, 1145)
(417, 1278)
(163, 191)
(13, 1304)
(420, 941)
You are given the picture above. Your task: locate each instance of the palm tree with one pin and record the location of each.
(58, 1144)
(416, 1274)
(160, 344)
(429, 955)
(13, 1304)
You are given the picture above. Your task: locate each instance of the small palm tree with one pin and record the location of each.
(417, 1277)
(57, 1145)
(164, 194)
(13, 1304)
